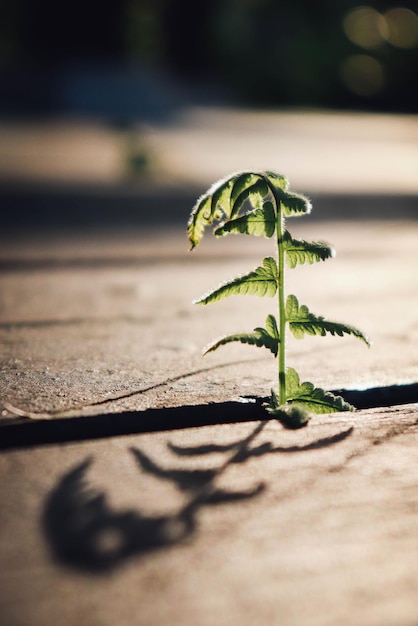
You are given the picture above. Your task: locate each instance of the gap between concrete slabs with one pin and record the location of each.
(103, 425)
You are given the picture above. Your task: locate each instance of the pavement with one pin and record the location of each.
(142, 484)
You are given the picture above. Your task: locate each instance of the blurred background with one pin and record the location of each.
(133, 96)
(259, 52)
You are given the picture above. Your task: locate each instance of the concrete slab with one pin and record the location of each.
(231, 524)
(228, 523)
(224, 524)
(78, 328)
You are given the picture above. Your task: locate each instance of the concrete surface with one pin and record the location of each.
(224, 524)
(320, 151)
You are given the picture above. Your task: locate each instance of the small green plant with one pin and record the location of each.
(257, 203)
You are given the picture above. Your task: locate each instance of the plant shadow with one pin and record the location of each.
(85, 533)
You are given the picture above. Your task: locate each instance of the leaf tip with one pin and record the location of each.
(199, 300)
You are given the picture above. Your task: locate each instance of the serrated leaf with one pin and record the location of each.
(200, 217)
(261, 337)
(313, 398)
(220, 197)
(293, 386)
(241, 183)
(293, 204)
(214, 205)
(260, 282)
(225, 198)
(301, 321)
(254, 193)
(271, 326)
(278, 181)
(260, 222)
(299, 251)
(320, 401)
(248, 184)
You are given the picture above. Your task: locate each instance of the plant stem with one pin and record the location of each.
(281, 305)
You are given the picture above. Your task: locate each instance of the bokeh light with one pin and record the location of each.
(401, 28)
(377, 70)
(365, 27)
(363, 75)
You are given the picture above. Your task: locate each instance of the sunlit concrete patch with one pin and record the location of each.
(320, 151)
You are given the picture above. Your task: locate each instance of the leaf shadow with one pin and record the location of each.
(84, 532)
(184, 479)
(265, 448)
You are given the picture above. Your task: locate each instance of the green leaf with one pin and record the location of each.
(214, 205)
(260, 222)
(243, 182)
(271, 326)
(302, 399)
(293, 387)
(301, 321)
(225, 198)
(299, 251)
(200, 217)
(313, 398)
(293, 204)
(254, 193)
(261, 337)
(220, 195)
(277, 181)
(260, 282)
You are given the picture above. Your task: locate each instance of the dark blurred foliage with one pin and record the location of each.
(288, 52)
(264, 52)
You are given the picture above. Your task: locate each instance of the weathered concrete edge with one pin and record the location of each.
(104, 425)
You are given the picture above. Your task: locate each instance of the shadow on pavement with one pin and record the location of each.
(83, 531)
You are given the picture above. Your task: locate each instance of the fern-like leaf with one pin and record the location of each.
(260, 222)
(299, 251)
(216, 204)
(260, 282)
(271, 326)
(313, 398)
(255, 192)
(293, 204)
(301, 321)
(261, 337)
(244, 181)
(211, 206)
(226, 197)
(276, 181)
